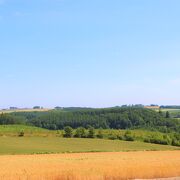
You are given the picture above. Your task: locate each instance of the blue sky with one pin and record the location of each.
(94, 53)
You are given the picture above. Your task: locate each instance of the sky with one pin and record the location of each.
(89, 53)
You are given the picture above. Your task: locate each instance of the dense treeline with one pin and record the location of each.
(113, 118)
(108, 118)
(156, 138)
(170, 107)
(11, 119)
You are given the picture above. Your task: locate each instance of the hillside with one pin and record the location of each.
(16, 130)
(108, 118)
(109, 122)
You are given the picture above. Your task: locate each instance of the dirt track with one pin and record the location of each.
(115, 165)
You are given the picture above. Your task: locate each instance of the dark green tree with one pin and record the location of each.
(68, 132)
(80, 132)
(167, 114)
(100, 133)
(160, 112)
(91, 132)
(128, 136)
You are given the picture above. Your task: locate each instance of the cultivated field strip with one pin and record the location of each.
(91, 166)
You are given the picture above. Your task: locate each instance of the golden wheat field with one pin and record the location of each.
(91, 166)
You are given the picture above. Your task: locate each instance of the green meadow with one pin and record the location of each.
(32, 131)
(15, 130)
(41, 141)
(44, 145)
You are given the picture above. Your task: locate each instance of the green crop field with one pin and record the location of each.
(35, 145)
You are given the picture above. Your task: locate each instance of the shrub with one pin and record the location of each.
(112, 136)
(128, 136)
(68, 132)
(158, 141)
(120, 137)
(21, 133)
(80, 132)
(100, 134)
(168, 139)
(147, 140)
(91, 132)
(177, 136)
(175, 142)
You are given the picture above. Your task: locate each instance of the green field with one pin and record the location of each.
(35, 145)
(39, 140)
(173, 112)
(14, 130)
(170, 110)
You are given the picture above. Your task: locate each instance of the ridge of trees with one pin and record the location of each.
(107, 118)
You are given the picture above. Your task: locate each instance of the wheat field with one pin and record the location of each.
(91, 166)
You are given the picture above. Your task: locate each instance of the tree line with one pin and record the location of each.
(108, 118)
(158, 138)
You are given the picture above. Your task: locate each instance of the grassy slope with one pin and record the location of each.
(30, 145)
(13, 130)
(38, 140)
